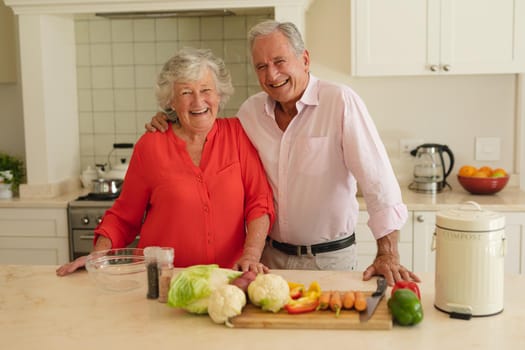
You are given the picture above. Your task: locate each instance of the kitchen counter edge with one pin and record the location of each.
(510, 199)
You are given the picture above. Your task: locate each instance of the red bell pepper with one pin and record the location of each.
(407, 285)
(296, 289)
(296, 293)
(302, 305)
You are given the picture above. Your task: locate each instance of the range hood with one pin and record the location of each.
(189, 13)
(48, 74)
(165, 14)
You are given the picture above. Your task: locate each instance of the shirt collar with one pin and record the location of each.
(311, 94)
(310, 97)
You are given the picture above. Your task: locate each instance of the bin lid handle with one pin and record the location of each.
(473, 204)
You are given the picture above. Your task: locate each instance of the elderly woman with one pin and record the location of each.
(200, 188)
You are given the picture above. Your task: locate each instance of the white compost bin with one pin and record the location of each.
(470, 250)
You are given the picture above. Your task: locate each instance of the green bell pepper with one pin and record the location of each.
(405, 307)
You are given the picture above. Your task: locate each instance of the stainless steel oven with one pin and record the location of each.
(84, 214)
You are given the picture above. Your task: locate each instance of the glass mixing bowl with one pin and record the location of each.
(119, 270)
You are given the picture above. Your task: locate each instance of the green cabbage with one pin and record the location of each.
(191, 288)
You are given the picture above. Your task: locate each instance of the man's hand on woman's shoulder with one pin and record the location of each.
(158, 122)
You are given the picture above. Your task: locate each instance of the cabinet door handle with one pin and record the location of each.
(420, 218)
(447, 67)
(434, 68)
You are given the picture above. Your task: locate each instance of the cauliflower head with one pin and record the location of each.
(269, 291)
(226, 302)
(191, 288)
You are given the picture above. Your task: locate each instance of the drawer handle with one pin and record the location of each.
(420, 218)
(91, 237)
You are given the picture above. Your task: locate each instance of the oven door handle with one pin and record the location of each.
(87, 237)
(91, 237)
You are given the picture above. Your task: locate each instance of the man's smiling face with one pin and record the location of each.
(281, 73)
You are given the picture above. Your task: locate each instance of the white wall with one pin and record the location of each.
(451, 110)
(11, 120)
(447, 109)
(11, 117)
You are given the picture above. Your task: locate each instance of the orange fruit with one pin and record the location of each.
(467, 170)
(499, 172)
(486, 169)
(480, 173)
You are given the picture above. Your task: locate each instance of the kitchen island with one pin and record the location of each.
(41, 311)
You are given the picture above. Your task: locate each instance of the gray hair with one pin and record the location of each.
(189, 64)
(288, 29)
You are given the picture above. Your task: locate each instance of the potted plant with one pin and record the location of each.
(12, 173)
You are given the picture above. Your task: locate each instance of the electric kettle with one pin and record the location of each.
(429, 169)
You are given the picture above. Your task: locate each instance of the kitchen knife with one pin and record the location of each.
(373, 300)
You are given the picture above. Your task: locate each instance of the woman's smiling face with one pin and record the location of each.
(196, 103)
(282, 74)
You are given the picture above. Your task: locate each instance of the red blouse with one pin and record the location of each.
(200, 211)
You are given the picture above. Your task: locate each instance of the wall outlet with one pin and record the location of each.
(488, 148)
(407, 145)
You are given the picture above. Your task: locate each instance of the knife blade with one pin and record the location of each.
(373, 300)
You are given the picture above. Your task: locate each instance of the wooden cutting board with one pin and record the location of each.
(254, 317)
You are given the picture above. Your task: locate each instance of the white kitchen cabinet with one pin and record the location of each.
(7, 45)
(367, 246)
(515, 235)
(425, 256)
(432, 37)
(33, 236)
(424, 223)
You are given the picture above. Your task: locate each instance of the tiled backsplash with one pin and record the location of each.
(117, 64)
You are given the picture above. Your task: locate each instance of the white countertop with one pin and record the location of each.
(509, 199)
(41, 311)
(56, 202)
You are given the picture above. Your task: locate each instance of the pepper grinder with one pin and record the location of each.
(165, 257)
(150, 256)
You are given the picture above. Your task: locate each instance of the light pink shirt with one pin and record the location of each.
(313, 165)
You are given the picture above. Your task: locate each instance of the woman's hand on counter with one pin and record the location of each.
(247, 263)
(102, 243)
(71, 267)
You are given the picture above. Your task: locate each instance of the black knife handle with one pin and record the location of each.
(381, 287)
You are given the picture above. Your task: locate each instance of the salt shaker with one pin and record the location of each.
(150, 256)
(165, 257)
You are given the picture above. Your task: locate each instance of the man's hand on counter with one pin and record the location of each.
(387, 262)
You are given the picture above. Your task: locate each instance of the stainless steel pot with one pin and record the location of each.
(106, 186)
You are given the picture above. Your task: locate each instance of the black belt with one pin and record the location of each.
(299, 250)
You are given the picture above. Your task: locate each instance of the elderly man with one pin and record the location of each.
(316, 141)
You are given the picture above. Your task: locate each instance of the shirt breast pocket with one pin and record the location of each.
(312, 155)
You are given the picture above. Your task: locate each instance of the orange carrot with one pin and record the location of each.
(360, 301)
(335, 302)
(348, 299)
(324, 300)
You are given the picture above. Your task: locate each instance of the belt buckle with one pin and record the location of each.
(308, 250)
